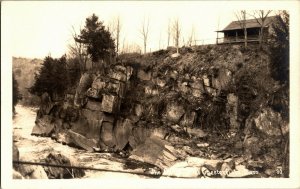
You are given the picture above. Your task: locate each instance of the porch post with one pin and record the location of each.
(236, 35)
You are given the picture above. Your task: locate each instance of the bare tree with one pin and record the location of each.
(169, 31)
(144, 32)
(159, 41)
(123, 46)
(176, 30)
(261, 17)
(241, 17)
(191, 37)
(115, 28)
(78, 50)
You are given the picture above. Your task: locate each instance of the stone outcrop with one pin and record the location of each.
(174, 112)
(232, 109)
(155, 151)
(44, 126)
(59, 173)
(147, 104)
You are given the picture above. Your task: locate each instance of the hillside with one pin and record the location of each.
(215, 102)
(24, 70)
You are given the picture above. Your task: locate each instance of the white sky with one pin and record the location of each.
(39, 28)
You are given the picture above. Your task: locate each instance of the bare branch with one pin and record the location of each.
(78, 50)
(191, 38)
(144, 32)
(169, 31)
(260, 17)
(176, 28)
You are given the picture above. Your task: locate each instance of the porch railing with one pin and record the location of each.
(237, 39)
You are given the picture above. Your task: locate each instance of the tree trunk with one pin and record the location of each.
(261, 37)
(246, 38)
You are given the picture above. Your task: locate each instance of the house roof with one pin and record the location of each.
(251, 23)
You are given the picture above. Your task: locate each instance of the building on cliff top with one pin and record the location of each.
(234, 33)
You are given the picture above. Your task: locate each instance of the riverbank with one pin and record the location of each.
(35, 149)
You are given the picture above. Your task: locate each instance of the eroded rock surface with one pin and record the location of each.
(161, 108)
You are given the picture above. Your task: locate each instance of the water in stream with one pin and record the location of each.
(34, 148)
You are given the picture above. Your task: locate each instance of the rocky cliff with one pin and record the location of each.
(164, 106)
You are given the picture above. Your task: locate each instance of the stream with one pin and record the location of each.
(34, 148)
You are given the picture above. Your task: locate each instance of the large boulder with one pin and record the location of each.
(99, 84)
(91, 114)
(270, 122)
(60, 173)
(44, 126)
(110, 103)
(64, 137)
(86, 133)
(31, 171)
(144, 76)
(189, 119)
(118, 75)
(93, 93)
(82, 127)
(139, 135)
(83, 142)
(116, 87)
(155, 151)
(107, 135)
(125, 70)
(122, 132)
(174, 112)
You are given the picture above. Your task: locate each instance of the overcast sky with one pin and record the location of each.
(41, 28)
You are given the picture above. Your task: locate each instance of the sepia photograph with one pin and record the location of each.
(149, 94)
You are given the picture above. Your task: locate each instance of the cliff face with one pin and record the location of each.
(169, 98)
(24, 70)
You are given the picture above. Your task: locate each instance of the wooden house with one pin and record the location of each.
(234, 32)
